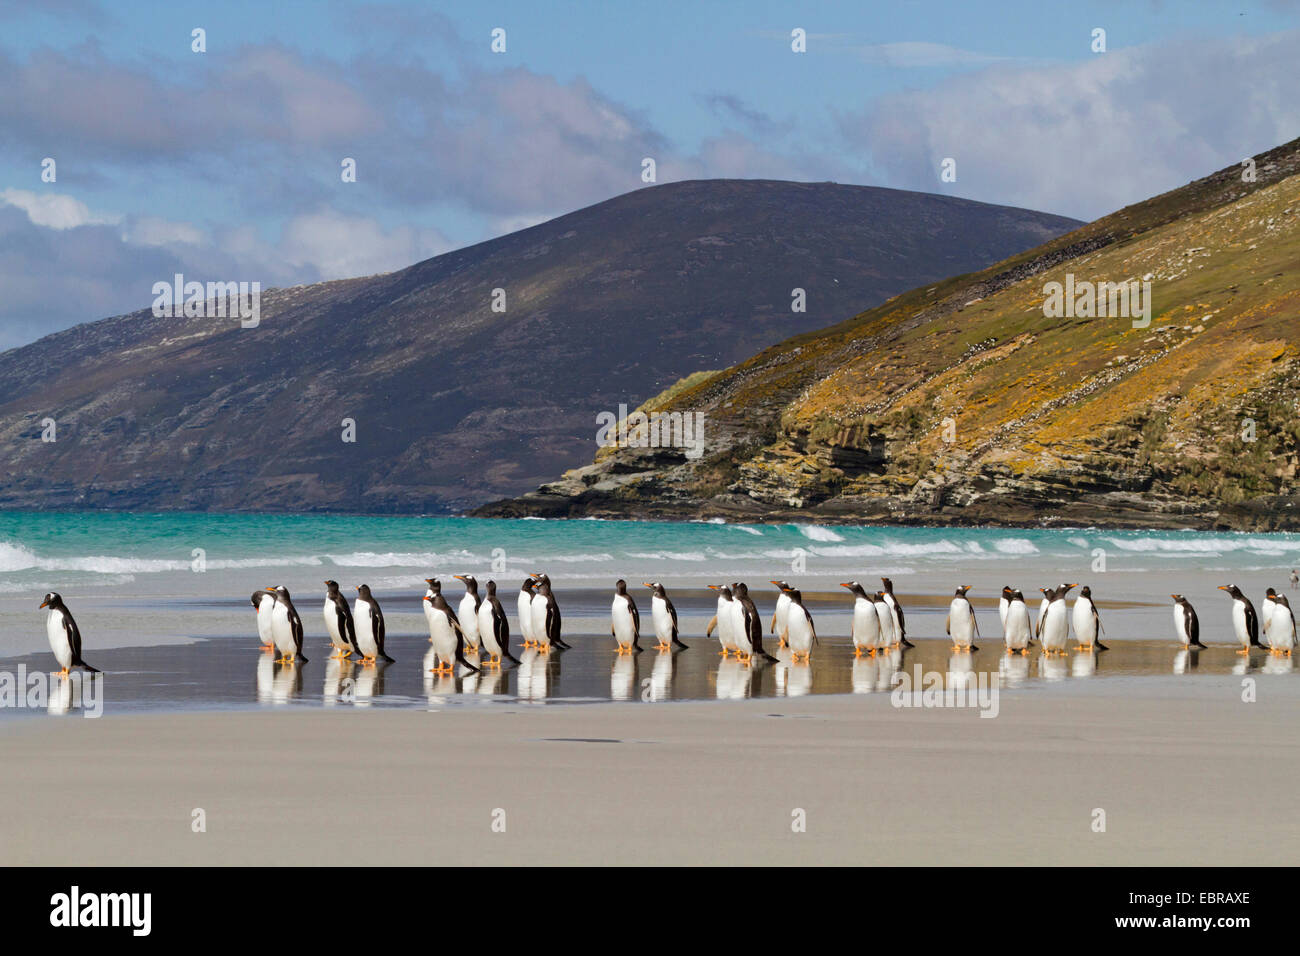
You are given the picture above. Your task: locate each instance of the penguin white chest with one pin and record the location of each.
(332, 625)
(739, 632)
(1085, 626)
(663, 621)
(885, 618)
(282, 630)
(468, 615)
(866, 624)
(1056, 626)
(59, 641)
(365, 633)
(525, 605)
(961, 624)
(724, 623)
(486, 631)
(1180, 624)
(800, 631)
(621, 615)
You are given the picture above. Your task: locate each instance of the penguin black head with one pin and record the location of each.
(796, 596)
(471, 584)
(434, 585)
(280, 591)
(52, 600)
(961, 591)
(1048, 593)
(721, 589)
(1282, 600)
(1006, 592)
(785, 588)
(740, 589)
(855, 588)
(331, 588)
(620, 586)
(1016, 595)
(1065, 589)
(363, 591)
(889, 585)
(1178, 599)
(528, 586)
(1232, 589)
(1270, 593)
(492, 589)
(657, 588)
(255, 600)
(1086, 592)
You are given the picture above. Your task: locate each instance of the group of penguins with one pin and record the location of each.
(482, 628)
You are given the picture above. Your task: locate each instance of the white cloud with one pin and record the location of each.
(917, 54)
(54, 210)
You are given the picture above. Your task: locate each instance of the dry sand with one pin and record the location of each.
(1186, 772)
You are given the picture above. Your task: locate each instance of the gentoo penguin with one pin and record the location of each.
(961, 624)
(264, 602)
(338, 622)
(747, 625)
(1054, 631)
(782, 613)
(546, 616)
(1281, 628)
(1186, 626)
(896, 609)
(1266, 611)
(865, 629)
(722, 620)
(444, 631)
(1295, 578)
(468, 615)
(888, 622)
(1016, 631)
(800, 634)
(64, 635)
(1087, 622)
(664, 617)
(526, 592)
(494, 628)
(1050, 595)
(286, 627)
(1245, 623)
(368, 623)
(625, 621)
(1004, 602)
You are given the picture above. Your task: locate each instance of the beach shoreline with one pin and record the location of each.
(1184, 772)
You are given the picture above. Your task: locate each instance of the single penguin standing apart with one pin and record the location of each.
(800, 633)
(1295, 579)
(896, 610)
(1017, 630)
(286, 626)
(1186, 625)
(64, 635)
(468, 615)
(722, 620)
(781, 615)
(747, 624)
(264, 602)
(865, 629)
(664, 617)
(525, 606)
(338, 622)
(625, 620)
(1087, 622)
(444, 631)
(1281, 628)
(494, 628)
(1245, 623)
(368, 621)
(546, 616)
(961, 624)
(1054, 631)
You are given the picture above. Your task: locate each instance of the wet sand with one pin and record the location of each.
(1186, 772)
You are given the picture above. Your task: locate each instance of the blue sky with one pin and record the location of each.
(226, 163)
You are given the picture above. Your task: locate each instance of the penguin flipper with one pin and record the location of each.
(713, 622)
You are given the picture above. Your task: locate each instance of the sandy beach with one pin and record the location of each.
(1186, 773)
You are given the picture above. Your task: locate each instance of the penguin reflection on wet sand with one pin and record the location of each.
(1186, 624)
(64, 635)
(664, 618)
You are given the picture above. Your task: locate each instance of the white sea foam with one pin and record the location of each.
(818, 533)
(1015, 546)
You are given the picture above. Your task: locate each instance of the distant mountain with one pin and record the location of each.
(976, 401)
(455, 404)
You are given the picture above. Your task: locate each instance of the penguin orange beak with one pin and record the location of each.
(715, 587)
(846, 584)
(647, 584)
(44, 604)
(1223, 587)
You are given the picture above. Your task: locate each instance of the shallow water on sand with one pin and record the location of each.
(234, 674)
